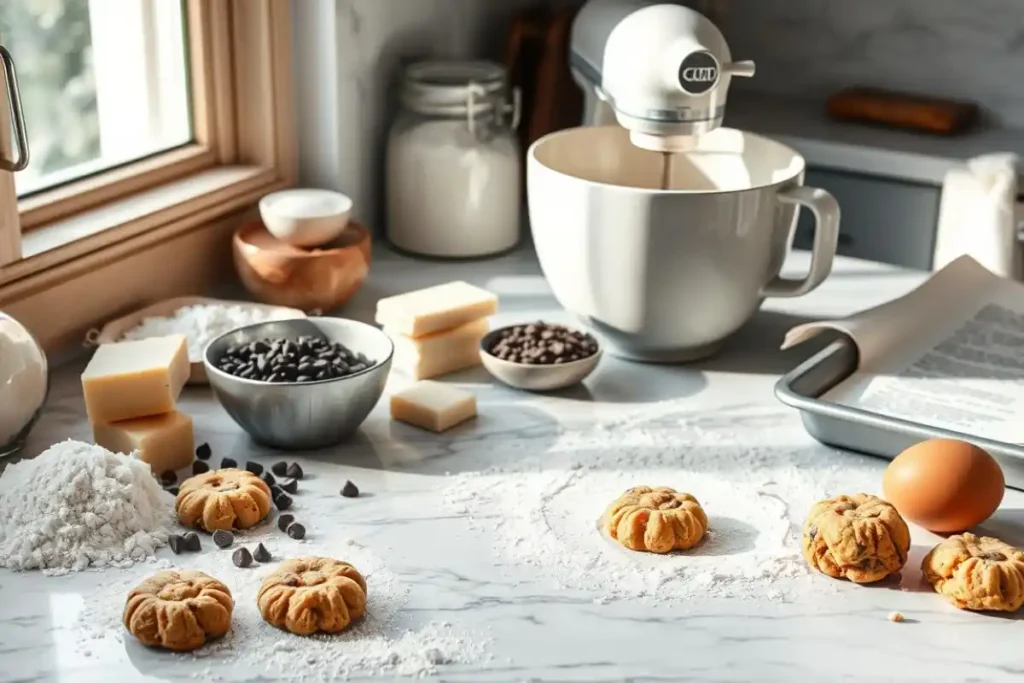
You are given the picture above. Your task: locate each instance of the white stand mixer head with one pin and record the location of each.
(663, 68)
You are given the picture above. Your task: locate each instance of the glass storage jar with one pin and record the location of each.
(453, 162)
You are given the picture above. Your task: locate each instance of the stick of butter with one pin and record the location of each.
(135, 378)
(433, 405)
(439, 353)
(435, 309)
(165, 441)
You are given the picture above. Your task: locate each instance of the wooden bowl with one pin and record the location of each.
(277, 273)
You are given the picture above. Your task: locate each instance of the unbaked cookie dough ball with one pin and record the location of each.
(312, 594)
(657, 520)
(178, 610)
(223, 499)
(977, 573)
(861, 538)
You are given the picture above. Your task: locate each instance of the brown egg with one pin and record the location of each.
(944, 485)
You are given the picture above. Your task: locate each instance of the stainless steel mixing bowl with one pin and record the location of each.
(306, 415)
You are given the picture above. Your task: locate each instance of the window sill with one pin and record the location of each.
(163, 210)
(172, 240)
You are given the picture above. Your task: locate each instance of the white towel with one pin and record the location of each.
(977, 215)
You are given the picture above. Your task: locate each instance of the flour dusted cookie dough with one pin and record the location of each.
(178, 610)
(977, 573)
(657, 520)
(312, 594)
(861, 538)
(223, 499)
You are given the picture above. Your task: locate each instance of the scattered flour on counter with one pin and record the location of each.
(77, 506)
(201, 324)
(544, 512)
(376, 645)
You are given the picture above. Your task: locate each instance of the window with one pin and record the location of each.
(102, 83)
(152, 126)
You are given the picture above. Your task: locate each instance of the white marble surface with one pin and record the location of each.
(834, 631)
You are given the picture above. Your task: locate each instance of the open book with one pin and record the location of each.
(949, 354)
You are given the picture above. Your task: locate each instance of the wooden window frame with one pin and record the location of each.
(144, 220)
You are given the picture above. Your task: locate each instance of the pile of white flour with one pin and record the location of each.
(201, 324)
(544, 512)
(78, 505)
(375, 645)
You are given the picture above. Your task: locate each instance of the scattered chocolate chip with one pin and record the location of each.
(173, 491)
(284, 521)
(223, 538)
(283, 501)
(254, 467)
(204, 452)
(242, 557)
(291, 486)
(541, 344)
(261, 554)
(268, 478)
(294, 471)
(199, 467)
(177, 544)
(226, 463)
(297, 531)
(169, 478)
(192, 542)
(350, 490)
(279, 468)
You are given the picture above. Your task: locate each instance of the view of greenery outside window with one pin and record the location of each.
(103, 82)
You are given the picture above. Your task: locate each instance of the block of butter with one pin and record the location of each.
(439, 353)
(135, 378)
(165, 441)
(435, 309)
(433, 405)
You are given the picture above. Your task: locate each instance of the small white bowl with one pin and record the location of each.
(305, 217)
(535, 377)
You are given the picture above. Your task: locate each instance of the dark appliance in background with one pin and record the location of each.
(537, 58)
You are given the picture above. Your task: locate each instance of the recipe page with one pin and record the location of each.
(964, 371)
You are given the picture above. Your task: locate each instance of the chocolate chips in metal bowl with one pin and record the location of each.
(306, 359)
(539, 356)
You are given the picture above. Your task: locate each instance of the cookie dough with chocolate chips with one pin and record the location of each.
(977, 573)
(178, 610)
(223, 499)
(312, 594)
(861, 538)
(657, 520)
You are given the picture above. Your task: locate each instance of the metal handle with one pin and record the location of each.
(20, 162)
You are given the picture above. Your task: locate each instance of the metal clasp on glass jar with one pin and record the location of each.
(477, 90)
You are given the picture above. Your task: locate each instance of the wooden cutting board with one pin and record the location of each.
(903, 110)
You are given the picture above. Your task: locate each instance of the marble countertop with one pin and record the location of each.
(528, 627)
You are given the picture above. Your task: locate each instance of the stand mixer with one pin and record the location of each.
(661, 70)
(659, 228)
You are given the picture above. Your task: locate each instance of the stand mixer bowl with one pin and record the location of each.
(667, 275)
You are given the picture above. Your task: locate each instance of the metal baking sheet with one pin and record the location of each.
(864, 431)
